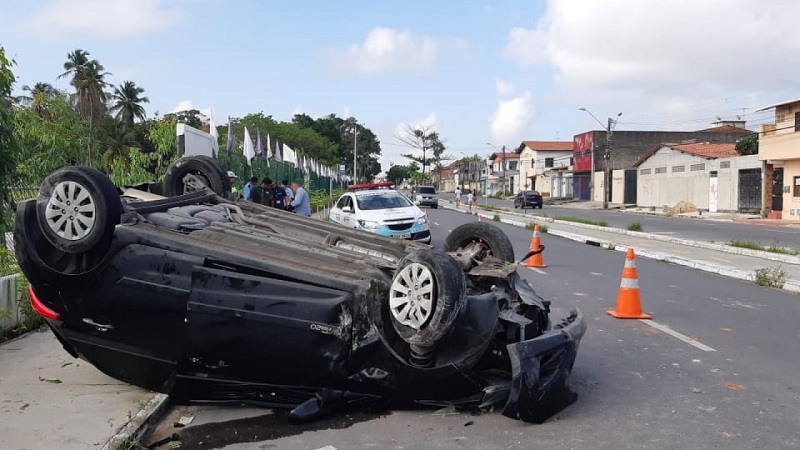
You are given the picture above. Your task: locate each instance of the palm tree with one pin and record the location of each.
(40, 93)
(128, 103)
(88, 78)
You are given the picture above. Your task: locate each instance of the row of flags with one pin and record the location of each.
(281, 153)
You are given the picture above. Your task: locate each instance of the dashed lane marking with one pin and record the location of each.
(675, 334)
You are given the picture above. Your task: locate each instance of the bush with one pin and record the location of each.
(496, 218)
(635, 226)
(774, 277)
(531, 226)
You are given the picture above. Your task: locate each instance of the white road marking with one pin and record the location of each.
(677, 335)
(539, 271)
(436, 224)
(597, 274)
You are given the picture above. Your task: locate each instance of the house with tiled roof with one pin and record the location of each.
(545, 166)
(779, 150)
(707, 176)
(503, 168)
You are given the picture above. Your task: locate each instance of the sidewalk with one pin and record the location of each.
(49, 400)
(724, 260)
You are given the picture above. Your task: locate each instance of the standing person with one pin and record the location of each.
(458, 196)
(232, 178)
(249, 187)
(264, 194)
(301, 202)
(289, 194)
(470, 199)
(280, 196)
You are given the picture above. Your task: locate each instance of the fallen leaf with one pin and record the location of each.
(733, 386)
(65, 364)
(50, 380)
(726, 329)
(22, 408)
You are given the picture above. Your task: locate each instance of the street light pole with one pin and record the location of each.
(606, 157)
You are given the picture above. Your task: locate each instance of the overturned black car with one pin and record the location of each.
(174, 287)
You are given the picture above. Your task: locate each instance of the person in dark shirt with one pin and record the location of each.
(280, 197)
(264, 194)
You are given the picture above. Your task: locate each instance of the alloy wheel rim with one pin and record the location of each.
(412, 295)
(71, 211)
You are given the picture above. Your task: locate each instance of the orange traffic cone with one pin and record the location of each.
(629, 303)
(536, 243)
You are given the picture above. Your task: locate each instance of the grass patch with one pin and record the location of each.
(496, 218)
(130, 444)
(599, 223)
(635, 226)
(774, 277)
(542, 228)
(752, 245)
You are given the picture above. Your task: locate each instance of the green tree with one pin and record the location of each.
(128, 101)
(88, 79)
(397, 173)
(748, 145)
(38, 94)
(424, 139)
(8, 142)
(192, 117)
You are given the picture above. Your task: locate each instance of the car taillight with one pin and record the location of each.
(40, 307)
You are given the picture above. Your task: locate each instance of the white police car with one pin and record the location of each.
(379, 209)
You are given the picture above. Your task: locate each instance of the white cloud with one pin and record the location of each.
(106, 18)
(504, 88)
(389, 50)
(681, 54)
(669, 43)
(511, 118)
(429, 122)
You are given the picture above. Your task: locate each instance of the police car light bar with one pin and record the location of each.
(356, 187)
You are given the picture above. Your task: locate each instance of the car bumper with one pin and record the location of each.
(418, 232)
(428, 202)
(540, 371)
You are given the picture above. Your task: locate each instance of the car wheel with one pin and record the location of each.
(489, 239)
(426, 295)
(77, 209)
(193, 173)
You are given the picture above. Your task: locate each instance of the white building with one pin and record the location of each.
(712, 177)
(544, 166)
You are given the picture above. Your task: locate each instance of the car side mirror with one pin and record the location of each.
(347, 209)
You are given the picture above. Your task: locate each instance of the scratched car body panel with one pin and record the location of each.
(220, 302)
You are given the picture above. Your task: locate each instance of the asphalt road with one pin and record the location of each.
(694, 229)
(638, 387)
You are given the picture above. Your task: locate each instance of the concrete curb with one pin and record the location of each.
(139, 423)
(786, 259)
(727, 271)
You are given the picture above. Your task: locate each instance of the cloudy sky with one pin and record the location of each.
(493, 72)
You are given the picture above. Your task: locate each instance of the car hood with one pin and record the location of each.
(388, 214)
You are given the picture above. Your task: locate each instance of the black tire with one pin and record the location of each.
(491, 238)
(77, 209)
(206, 169)
(448, 286)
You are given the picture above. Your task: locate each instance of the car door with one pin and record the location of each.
(349, 212)
(256, 327)
(337, 214)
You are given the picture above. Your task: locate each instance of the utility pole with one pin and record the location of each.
(606, 157)
(355, 153)
(503, 171)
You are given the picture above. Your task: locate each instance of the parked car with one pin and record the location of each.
(377, 208)
(528, 199)
(232, 302)
(426, 196)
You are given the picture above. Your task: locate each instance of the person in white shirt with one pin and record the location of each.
(458, 197)
(470, 199)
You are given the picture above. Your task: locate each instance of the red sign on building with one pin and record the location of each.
(582, 146)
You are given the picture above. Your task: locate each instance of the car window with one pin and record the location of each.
(343, 201)
(427, 190)
(382, 200)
